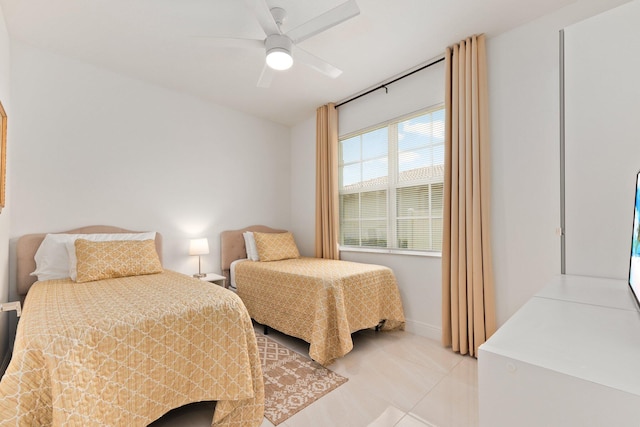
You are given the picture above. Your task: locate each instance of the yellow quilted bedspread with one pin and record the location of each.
(320, 301)
(122, 352)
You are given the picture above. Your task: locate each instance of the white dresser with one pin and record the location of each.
(569, 357)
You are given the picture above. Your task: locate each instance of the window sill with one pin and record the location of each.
(429, 254)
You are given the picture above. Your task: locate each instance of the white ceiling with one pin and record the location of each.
(156, 40)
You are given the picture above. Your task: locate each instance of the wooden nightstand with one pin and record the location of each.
(215, 278)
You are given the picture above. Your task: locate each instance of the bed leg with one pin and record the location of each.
(266, 329)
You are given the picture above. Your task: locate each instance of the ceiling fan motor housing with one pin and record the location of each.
(278, 41)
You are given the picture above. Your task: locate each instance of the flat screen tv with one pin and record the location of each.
(634, 259)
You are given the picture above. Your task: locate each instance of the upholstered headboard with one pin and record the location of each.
(28, 244)
(232, 246)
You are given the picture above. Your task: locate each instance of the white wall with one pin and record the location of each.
(5, 95)
(523, 68)
(602, 130)
(523, 71)
(303, 185)
(95, 147)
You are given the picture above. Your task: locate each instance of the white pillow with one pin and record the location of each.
(250, 243)
(99, 237)
(52, 259)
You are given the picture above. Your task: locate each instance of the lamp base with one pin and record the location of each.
(199, 275)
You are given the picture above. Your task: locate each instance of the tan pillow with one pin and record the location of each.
(116, 258)
(276, 246)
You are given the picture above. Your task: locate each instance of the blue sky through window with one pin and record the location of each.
(420, 144)
(370, 150)
(421, 141)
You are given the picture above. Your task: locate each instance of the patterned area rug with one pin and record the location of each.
(291, 381)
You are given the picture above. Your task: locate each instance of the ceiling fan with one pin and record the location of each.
(281, 48)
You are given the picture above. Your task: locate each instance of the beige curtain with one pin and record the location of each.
(468, 307)
(327, 182)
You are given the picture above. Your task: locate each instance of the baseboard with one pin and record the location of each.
(424, 329)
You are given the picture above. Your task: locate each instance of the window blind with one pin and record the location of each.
(391, 184)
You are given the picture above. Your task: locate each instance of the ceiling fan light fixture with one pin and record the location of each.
(279, 59)
(279, 52)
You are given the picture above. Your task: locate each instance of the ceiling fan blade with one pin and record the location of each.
(316, 63)
(265, 77)
(231, 42)
(333, 17)
(264, 16)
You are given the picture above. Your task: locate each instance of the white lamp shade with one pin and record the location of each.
(199, 246)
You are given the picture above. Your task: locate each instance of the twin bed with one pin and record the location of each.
(320, 301)
(126, 341)
(126, 350)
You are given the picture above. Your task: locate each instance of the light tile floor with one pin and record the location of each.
(396, 379)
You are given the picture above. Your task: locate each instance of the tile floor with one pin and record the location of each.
(396, 379)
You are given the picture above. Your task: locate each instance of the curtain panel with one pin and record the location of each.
(327, 204)
(468, 300)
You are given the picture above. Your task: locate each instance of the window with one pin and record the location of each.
(391, 184)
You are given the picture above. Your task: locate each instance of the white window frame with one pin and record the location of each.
(392, 185)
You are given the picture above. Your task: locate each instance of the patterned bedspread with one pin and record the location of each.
(320, 301)
(122, 352)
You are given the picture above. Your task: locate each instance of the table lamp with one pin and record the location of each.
(199, 247)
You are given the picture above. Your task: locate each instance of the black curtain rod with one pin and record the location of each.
(384, 86)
